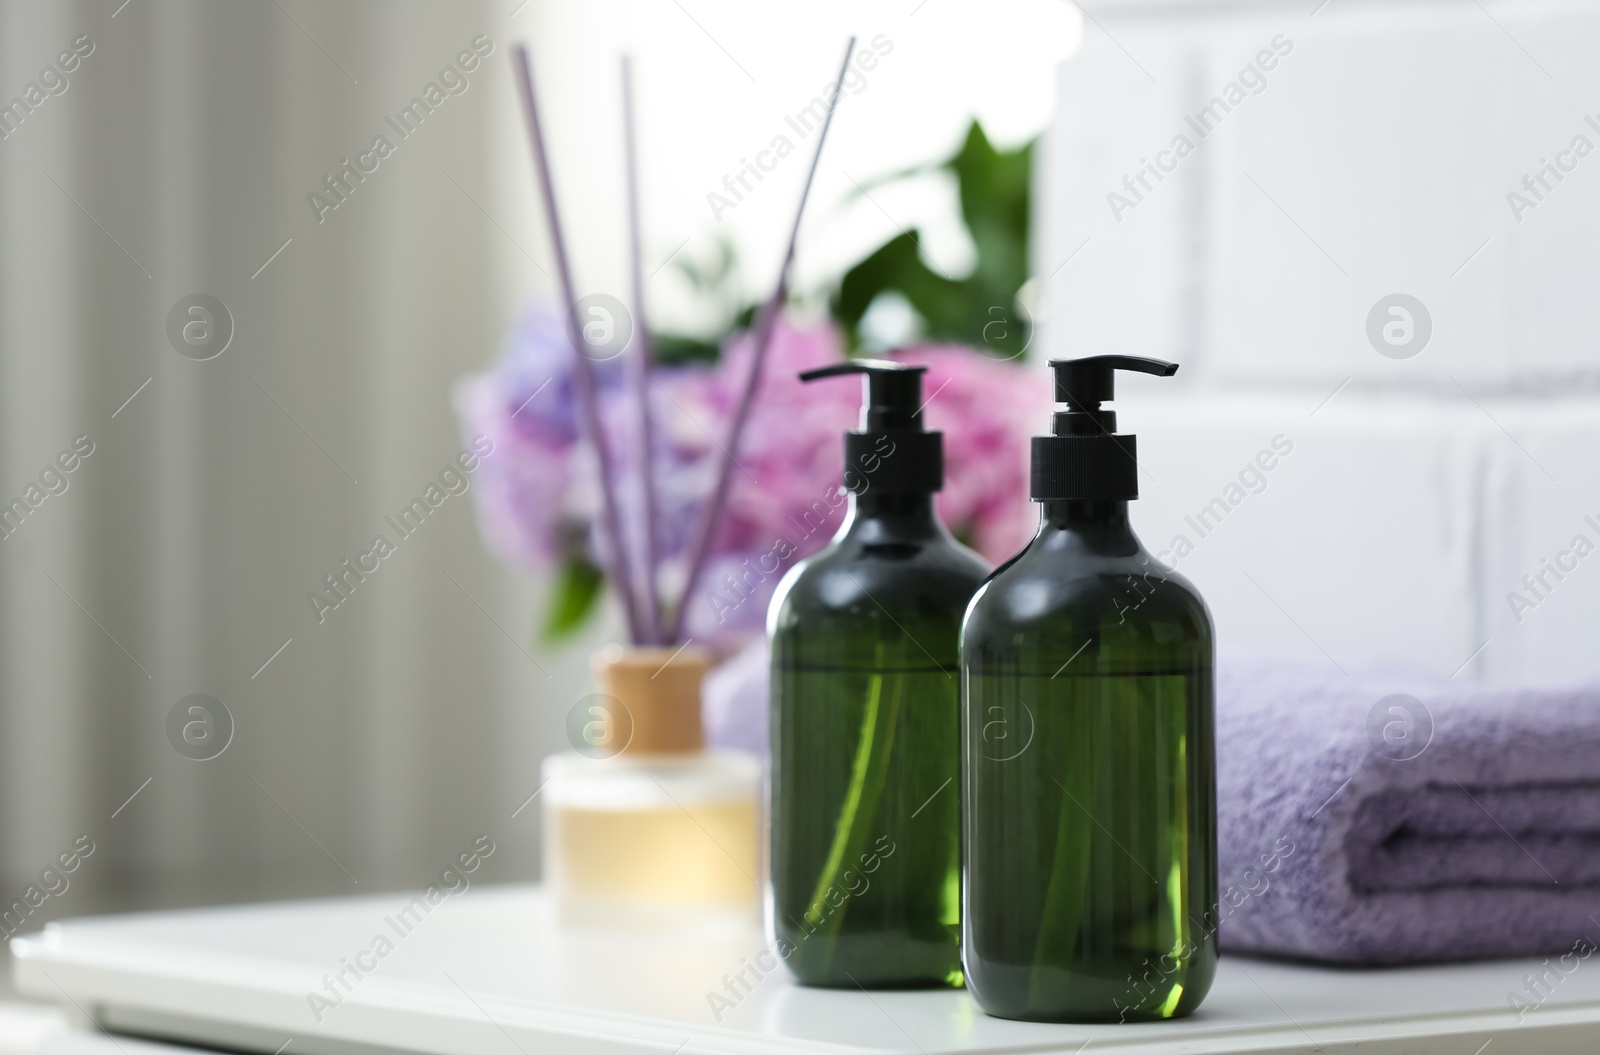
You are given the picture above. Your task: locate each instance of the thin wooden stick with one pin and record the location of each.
(641, 363)
(616, 557)
(766, 322)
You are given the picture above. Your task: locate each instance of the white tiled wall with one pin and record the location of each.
(1376, 159)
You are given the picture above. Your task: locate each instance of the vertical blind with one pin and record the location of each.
(182, 163)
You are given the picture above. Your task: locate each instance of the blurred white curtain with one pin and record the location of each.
(176, 161)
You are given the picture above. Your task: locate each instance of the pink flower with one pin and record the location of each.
(987, 410)
(538, 493)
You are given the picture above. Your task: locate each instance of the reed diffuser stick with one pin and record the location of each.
(616, 555)
(640, 364)
(766, 321)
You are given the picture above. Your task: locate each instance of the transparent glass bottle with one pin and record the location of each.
(643, 828)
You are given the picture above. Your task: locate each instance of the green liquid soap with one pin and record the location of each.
(1089, 774)
(865, 781)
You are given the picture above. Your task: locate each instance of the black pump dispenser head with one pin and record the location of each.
(891, 454)
(1085, 457)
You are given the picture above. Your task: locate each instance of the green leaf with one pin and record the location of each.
(677, 349)
(978, 309)
(573, 600)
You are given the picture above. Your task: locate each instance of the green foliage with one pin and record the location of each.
(574, 597)
(714, 285)
(979, 309)
(677, 349)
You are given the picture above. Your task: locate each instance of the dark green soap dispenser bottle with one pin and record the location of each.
(865, 840)
(1089, 781)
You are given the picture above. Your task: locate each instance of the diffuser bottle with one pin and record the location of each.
(1089, 785)
(643, 828)
(865, 844)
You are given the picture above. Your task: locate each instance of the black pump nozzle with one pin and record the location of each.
(893, 392)
(1083, 384)
(1085, 457)
(891, 453)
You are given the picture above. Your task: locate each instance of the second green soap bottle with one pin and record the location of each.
(865, 838)
(1089, 798)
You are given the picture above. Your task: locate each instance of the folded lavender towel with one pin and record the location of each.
(1392, 820)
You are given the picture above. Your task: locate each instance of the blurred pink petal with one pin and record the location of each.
(784, 502)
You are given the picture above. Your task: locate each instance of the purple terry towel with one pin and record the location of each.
(1374, 820)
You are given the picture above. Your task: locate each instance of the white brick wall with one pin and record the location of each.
(1376, 160)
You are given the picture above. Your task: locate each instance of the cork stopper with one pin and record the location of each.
(659, 690)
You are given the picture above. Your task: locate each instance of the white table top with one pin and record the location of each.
(488, 973)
